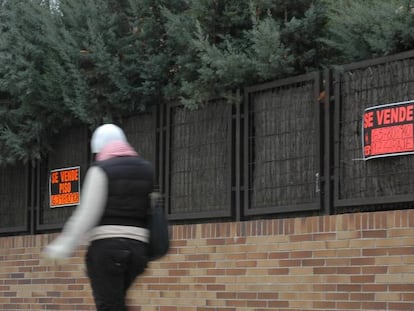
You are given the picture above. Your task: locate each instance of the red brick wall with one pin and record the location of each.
(359, 261)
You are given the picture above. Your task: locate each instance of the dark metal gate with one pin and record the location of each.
(376, 184)
(282, 146)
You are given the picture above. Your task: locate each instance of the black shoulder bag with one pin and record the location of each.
(159, 235)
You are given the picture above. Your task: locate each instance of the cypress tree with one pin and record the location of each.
(32, 73)
(228, 44)
(84, 61)
(70, 61)
(362, 29)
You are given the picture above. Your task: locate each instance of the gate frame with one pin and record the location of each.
(341, 203)
(228, 213)
(320, 140)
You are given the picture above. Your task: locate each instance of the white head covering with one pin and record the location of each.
(104, 135)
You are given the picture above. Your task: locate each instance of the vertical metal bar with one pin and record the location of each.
(246, 148)
(337, 118)
(29, 221)
(158, 146)
(162, 147)
(328, 134)
(37, 200)
(237, 158)
(319, 136)
(167, 158)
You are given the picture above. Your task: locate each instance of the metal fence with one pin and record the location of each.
(15, 198)
(282, 149)
(286, 147)
(374, 184)
(70, 149)
(198, 161)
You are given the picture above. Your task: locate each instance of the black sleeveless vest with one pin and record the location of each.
(130, 181)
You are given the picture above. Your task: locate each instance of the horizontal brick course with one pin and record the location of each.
(361, 261)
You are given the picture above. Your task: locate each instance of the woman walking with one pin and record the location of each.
(115, 201)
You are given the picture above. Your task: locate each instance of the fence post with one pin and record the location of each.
(328, 102)
(238, 156)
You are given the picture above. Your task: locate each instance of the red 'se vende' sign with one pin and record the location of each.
(388, 130)
(64, 187)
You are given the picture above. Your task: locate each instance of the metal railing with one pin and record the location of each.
(287, 147)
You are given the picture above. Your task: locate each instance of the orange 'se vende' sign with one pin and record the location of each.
(64, 186)
(388, 130)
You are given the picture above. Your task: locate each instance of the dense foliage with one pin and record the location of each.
(362, 29)
(71, 62)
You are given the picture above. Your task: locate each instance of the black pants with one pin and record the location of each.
(113, 265)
